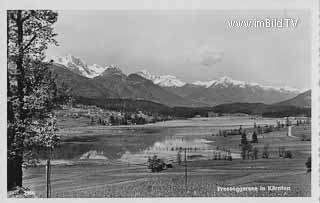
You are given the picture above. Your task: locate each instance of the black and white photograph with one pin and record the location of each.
(158, 103)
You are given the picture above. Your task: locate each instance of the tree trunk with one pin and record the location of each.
(14, 173)
(14, 165)
(19, 63)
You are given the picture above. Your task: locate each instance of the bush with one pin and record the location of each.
(268, 130)
(21, 192)
(281, 151)
(243, 154)
(305, 138)
(265, 153)
(155, 164)
(288, 154)
(169, 166)
(308, 165)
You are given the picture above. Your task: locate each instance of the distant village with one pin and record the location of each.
(101, 116)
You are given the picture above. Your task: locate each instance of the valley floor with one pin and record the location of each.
(113, 178)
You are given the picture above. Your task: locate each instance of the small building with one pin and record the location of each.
(212, 114)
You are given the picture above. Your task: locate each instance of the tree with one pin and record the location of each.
(308, 164)
(240, 129)
(255, 153)
(244, 140)
(259, 129)
(243, 153)
(265, 153)
(254, 137)
(287, 121)
(179, 157)
(112, 120)
(31, 89)
(246, 147)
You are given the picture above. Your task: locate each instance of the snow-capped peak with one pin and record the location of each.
(162, 80)
(112, 69)
(97, 69)
(204, 83)
(145, 74)
(224, 81)
(229, 82)
(79, 66)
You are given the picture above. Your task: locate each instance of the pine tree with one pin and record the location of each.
(254, 137)
(265, 153)
(31, 89)
(255, 153)
(179, 157)
(244, 140)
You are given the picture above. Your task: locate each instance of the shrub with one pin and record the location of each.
(305, 138)
(155, 164)
(229, 158)
(308, 164)
(243, 154)
(265, 153)
(288, 154)
(169, 166)
(281, 151)
(267, 130)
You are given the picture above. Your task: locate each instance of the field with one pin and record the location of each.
(113, 177)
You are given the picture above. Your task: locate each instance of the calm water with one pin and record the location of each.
(165, 139)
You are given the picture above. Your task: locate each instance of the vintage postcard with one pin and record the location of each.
(204, 100)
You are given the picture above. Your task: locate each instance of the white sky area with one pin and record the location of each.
(192, 45)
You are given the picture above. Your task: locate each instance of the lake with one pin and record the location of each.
(134, 144)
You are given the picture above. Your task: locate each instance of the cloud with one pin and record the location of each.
(205, 56)
(212, 58)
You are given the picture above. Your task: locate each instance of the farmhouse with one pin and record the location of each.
(212, 114)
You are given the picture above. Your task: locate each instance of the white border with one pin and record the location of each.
(168, 5)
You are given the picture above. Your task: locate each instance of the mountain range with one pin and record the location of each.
(95, 81)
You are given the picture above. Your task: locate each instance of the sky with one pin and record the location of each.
(192, 45)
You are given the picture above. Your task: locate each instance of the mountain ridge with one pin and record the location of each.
(167, 89)
(79, 66)
(302, 100)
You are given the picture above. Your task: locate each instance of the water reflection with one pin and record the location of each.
(168, 150)
(136, 144)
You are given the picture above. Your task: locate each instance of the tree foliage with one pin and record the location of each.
(254, 137)
(31, 88)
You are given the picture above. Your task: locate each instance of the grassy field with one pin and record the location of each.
(113, 178)
(203, 177)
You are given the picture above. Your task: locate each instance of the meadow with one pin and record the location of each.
(114, 177)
